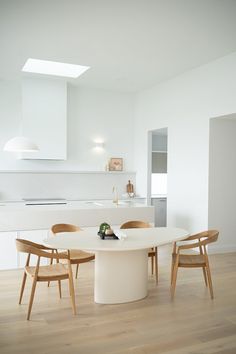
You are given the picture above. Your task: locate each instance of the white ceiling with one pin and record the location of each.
(129, 44)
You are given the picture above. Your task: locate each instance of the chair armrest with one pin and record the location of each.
(189, 245)
(53, 255)
(194, 244)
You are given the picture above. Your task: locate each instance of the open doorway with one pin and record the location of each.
(222, 171)
(157, 173)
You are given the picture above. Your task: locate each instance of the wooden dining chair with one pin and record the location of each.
(201, 240)
(38, 273)
(76, 256)
(152, 252)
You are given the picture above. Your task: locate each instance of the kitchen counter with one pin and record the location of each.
(157, 196)
(52, 204)
(36, 215)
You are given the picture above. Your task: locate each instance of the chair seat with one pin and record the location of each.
(51, 271)
(183, 256)
(194, 260)
(78, 256)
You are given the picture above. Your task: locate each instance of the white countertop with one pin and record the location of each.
(68, 204)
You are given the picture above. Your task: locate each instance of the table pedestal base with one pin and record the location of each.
(120, 276)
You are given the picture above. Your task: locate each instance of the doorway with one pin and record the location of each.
(222, 171)
(157, 174)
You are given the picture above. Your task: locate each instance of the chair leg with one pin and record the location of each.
(152, 264)
(205, 275)
(77, 269)
(172, 270)
(59, 288)
(209, 280)
(174, 278)
(51, 261)
(32, 297)
(22, 287)
(72, 290)
(156, 264)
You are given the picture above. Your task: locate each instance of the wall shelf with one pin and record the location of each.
(69, 172)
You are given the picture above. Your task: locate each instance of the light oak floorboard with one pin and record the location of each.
(190, 324)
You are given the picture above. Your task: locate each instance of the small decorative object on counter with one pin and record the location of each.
(103, 227)
(130, 189)
(105, 232)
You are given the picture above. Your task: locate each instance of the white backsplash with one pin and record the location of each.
(69, 185)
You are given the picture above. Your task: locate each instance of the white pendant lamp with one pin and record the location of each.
(20, 144)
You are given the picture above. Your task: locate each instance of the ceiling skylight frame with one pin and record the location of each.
(46, 67)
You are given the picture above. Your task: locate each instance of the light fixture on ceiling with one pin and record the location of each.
(20, 144)
(53, 68)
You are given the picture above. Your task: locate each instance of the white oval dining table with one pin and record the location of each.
(121, 266)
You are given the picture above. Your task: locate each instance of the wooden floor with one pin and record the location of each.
(192, 323)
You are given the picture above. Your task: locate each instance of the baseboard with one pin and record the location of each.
(212, 249)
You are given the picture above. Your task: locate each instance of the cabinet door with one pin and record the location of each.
(8, 253)
(9, 257)
(44, 105)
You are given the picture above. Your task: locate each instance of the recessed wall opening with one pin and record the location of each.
(157, 173)
(222, 172)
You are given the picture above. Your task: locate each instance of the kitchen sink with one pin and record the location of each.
(90, 202)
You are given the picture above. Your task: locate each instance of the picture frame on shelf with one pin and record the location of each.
(116, 164)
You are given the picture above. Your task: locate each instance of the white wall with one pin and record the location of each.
(222, 189)
(184, 105)
(97, 114)
(92, 114)
(68, 185)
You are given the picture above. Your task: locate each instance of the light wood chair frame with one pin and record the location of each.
(152, 252)
(202, 240)
(40, 251)
(58, 228)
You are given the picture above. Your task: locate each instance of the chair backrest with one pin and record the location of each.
(210, 236)
(205, 234)
(133, 224)
(29, 247)
(57, 228)
(204, 238)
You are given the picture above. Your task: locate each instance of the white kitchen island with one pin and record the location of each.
(17, 219)
(19, 216)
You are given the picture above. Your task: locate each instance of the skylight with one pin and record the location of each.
(53, 68)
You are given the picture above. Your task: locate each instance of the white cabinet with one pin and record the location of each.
(8, 253)
(44, 109)
(9, 257)
(160, 205)
(33, 222)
